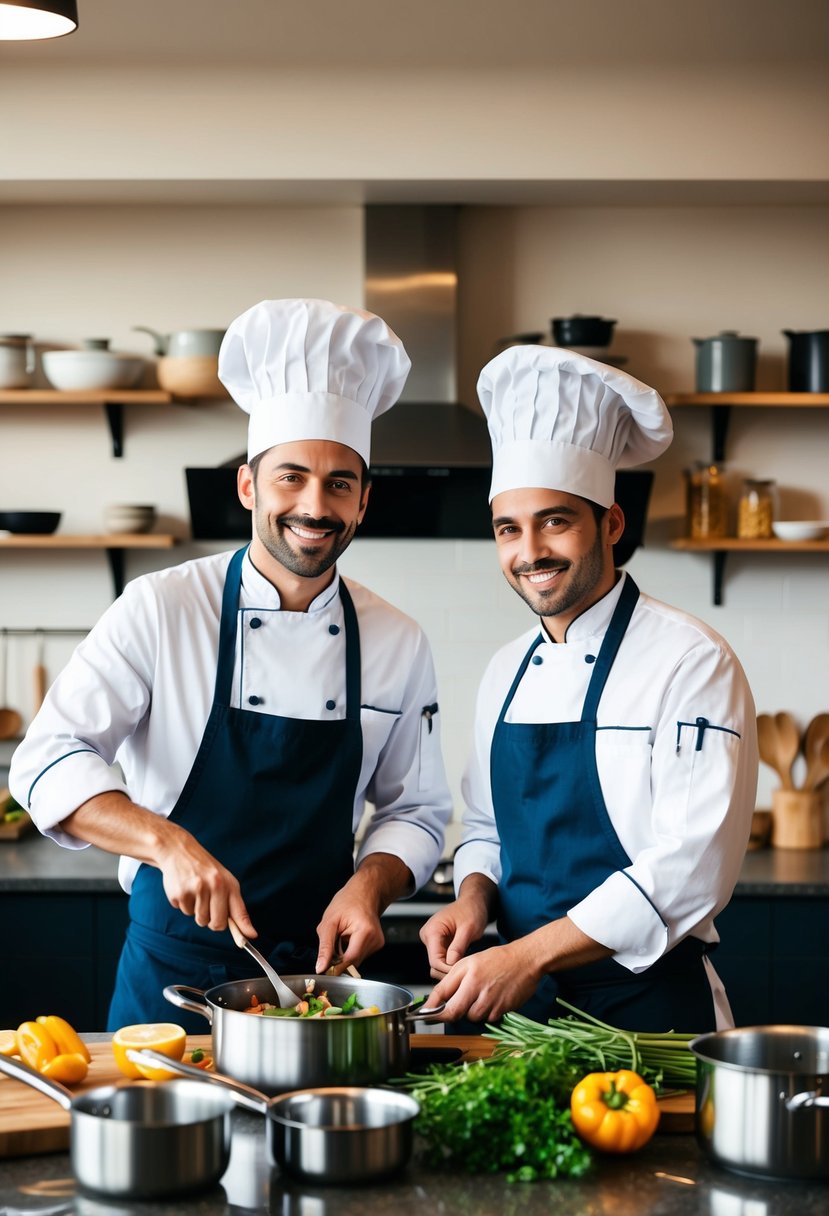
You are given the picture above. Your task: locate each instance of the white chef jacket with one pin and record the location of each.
(139, 689)
(682, 815)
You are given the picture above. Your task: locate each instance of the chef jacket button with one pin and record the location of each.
(254, 700)
(330, 704)
(333, 630)
(590, 658)
(537, 659)
(255, 622)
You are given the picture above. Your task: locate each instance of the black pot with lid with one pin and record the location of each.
(581, 330)
(808, 361)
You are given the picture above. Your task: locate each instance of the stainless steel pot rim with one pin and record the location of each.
(403, 1107)
(217, 994)
(771, 1032)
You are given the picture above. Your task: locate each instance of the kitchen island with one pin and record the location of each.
(669, 1177)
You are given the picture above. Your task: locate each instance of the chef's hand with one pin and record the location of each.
(200, 886)
(350, 928)
(484, 986)
(450, 932)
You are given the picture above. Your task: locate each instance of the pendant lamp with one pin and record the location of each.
(31, 19)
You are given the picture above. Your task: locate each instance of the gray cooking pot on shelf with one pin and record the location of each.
(279, 1054)
(141, 1140)
(726, 364)
(762, 1104)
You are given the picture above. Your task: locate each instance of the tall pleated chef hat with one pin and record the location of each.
(309, 369)
(560, 421)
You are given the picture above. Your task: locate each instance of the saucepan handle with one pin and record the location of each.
(30, 1076)
(416, 1012)
(805, 1100)
(174, 993)
(243, 1095)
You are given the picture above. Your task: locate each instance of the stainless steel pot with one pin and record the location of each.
(279, 1054)
(763, 1099)
(331, 1134)
(725, 364)
(141, 1140)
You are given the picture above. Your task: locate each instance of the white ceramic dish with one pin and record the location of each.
(800, 529)
(75, 370)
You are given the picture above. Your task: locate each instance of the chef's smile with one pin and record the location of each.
(310, 531)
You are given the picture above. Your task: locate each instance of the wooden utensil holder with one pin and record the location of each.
(797, 819)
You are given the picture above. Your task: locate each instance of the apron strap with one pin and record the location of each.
(610, 646)
(525, 662)
(353, 678)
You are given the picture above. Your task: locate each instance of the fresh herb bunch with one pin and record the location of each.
(663, 1060)
(485, 1117)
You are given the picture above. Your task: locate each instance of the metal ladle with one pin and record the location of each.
(284, 995)
(10, 719)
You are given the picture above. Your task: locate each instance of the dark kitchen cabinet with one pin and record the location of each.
(59, 955)
(772, 959)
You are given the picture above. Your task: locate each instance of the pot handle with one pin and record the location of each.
(805, 1100)
(415, 1012)
(174, 994)
(243, 1095)
(30, 1076)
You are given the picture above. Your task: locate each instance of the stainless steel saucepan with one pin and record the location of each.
(141, 1140)
(276, 1054)
(763, 1099)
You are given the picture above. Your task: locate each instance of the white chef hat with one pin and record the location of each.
(309, 369)
(560, 421)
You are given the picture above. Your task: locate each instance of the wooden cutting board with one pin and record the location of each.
(31, 1123)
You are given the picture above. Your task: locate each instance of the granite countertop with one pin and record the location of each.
(34, 863)
(669, 1177)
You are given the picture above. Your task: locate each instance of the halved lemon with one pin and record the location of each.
(8, 1043)
(165, 1037)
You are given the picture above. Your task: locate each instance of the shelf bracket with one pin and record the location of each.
(116, 566)
(115, 417)
(718, 568)
(720, 417)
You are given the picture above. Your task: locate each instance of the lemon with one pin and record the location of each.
(68, 1068)
(165, 1037)
(8, 1043)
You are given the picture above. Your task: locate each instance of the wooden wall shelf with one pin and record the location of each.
(113, 543)
(112, 400)
(720, 405)
(720, 547)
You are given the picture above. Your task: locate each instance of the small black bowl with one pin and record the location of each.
(30, 523)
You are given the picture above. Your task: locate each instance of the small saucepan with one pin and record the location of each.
(141, 1140)
(762, 1100)
(332, 1134)
(279, 1054)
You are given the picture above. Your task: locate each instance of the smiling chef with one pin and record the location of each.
(614, 767)
(254, 700)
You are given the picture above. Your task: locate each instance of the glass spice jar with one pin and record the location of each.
(707, 503)
(755, 510)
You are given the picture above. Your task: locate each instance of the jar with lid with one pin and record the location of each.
(756, 509)
(707, 501)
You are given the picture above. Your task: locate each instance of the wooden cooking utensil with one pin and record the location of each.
(767, 742)
(10, 719)
(788, 746)
(816, 751)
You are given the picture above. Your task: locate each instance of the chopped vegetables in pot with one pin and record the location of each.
(312, 1005)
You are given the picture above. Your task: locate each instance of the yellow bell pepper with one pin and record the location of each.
(616, 1112)
(54, 1048)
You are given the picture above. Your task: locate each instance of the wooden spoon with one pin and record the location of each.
(767, 742)
(816, 748)
(788, 746)
(10, 719)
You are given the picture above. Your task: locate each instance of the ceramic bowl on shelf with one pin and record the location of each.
(79, 370)
(126, 517)
(29, 523)
(800, 529)
(190, 376)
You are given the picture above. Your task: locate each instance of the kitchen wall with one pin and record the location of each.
(666, 273)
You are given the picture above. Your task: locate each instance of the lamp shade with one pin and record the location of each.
(32, 19)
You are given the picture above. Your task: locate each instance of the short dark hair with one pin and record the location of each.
(255, 461)
(599, 511)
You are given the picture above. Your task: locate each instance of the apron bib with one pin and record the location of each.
(272, 799)
(558, 844)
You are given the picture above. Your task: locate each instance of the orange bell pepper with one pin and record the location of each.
(54, 1048)
(616, 1112)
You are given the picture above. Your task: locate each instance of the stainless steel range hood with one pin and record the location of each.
(412, 283)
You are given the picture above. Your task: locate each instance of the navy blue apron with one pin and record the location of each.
(272, 799)
(558, 844)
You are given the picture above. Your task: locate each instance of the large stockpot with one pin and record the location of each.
(142, 1140)
(808, 361)
(763, 1099)
(279, 1054)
